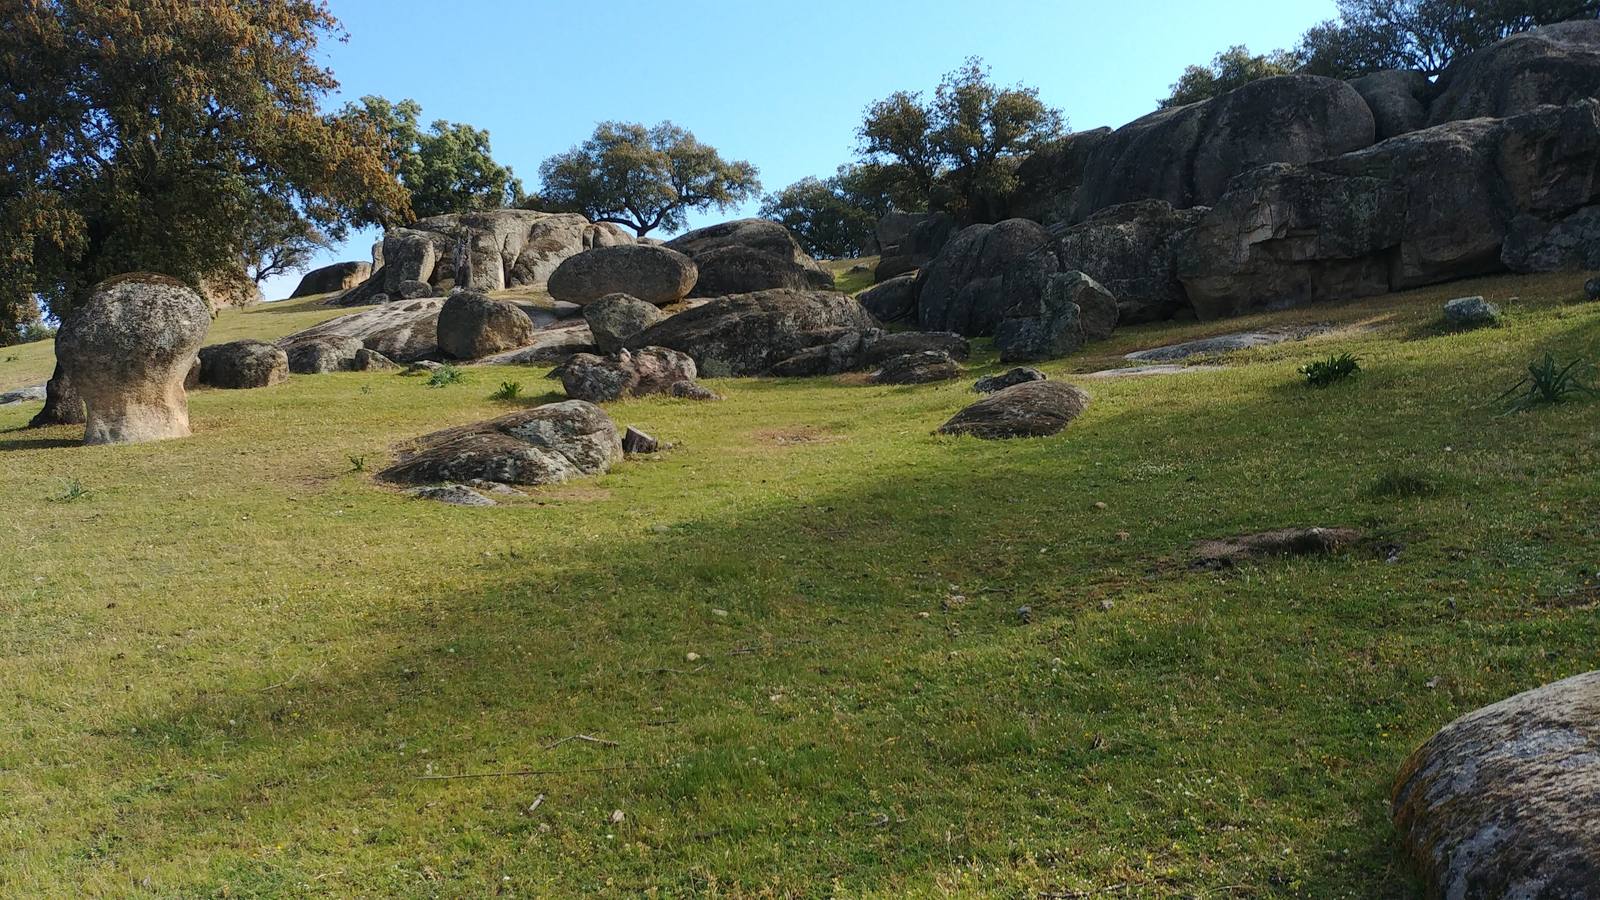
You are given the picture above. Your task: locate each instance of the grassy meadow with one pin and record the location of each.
(234, 665)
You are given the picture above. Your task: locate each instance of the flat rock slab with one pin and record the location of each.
(1157, 369)
(33, 392)
(1224, 343)
(549, 345)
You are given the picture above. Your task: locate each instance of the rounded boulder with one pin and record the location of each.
(243, 364)
(472, 325)
(656, 275)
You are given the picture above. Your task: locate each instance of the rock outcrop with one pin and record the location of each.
(894, 300)
(1069, 310)
(472, 325)
(747, 334)
(340, 276)
(920, 367)
(749, 255)
(982, 272)
(1030, 409)
(615, 318)
(545, 445)
(127, 351)
(1501, 802)
(322, 354)
(243, 364)
(1132, 250)
(637, 373)
(402, 331)
(658, 275)
(1555, 65)
(1398, 99)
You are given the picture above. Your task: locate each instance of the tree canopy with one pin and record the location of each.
(1232, 68)
(643, 178)
(950, 150)
(834, 217)
(156, 136)
(447, 168)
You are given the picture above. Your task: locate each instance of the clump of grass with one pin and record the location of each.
(1548, 383)
(357, 463)
(1324, 372)
(445, 375)
(1402, 484)
(72, 490)
(508, 390)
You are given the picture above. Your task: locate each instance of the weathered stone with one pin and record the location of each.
(340, 276)
(982, 272)
(471, 326)
(747, 334)
(1132, 250)
(452, 494)
(30, 394)
(921, 367)
(1501, 802)
(127, 351)
(1071, 310)
(1030, 409)
(1554, 65)
(658, 275)
(894, 300)
(404, 331)
(749, 255)
(1018, 375)
(544, 445)
(243, 364)
(1048, 180)
(1569, 244)
(1471, 312)
(1398, 99)
(635, 441)
(615, 318)
(637, 373)
(372, 361)
(321, 354)
(692, 390)
(62, 405)
(413, 290)
(1223, 343)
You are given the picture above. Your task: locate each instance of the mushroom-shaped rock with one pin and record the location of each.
(921, 367)
(471, 325)
(1501, 802)
(615, 318)
(243, 364)
(127, 352)
(1031, 409)
(638, 373)
(322, 354)
(544, 445)
(657, 275)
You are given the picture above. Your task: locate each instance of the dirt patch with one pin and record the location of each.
(1224, 553)
(569, 493)
(794, 434)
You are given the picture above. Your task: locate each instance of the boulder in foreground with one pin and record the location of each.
(545, 445)
(472, 325)
(127, 353)
(637, 373)
(1501, 802)
(1031, 409)
(243, 364)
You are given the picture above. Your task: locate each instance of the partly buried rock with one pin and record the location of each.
(471, 326)
(922, 367)
(894, 300)
(657, 275)
(636, 441)
(453, 494)
(127, 351)
(340, 276)
(1132, 249)
(637, 373)
(323, 354)
(749, 333)
(1223, 343)
(402, 331)
(1031, 409)
(1070, 310)
(243, 364)
(1471, 312)
(1501, 802)
(30, 394)
(1018, 375)
(544, 445)
(615, 318)
(1284, 542)
(749, 255)
(372, 361)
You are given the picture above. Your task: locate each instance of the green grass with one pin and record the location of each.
(852, 282)
(227, 665)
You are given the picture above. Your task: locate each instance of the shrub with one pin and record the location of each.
(1324, 372)
(72, 490)
(358, 463)
(446, 374)
(509, 390)
(1547, 383)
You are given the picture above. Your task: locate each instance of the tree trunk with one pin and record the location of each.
(62, 405)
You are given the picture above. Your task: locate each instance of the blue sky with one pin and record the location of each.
(781, 84)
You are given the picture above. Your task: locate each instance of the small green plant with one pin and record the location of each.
(1398, 483)
(72, 490)
(12, 358)
(1324, 372)
(509, 390)
(1547, 383)
(358, 463)
(446, 374)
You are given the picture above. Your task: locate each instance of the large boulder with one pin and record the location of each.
(1501, 802)
(980, 274)
(1030, 409)
(924, 241)
(658, 275)
(545, 445)
(472, 325)
(341, 276)
(1187, 155)
(321, 354)
(243, 364)
(749, 255)
(638, 373)
(1132, 250)
(1398, 99)
(921, 367)
(481, 251)
(894, 300)
(1071, 310)
(1418, 209)
(1047, 180)
(402, 331)
(127, 351)
(1557, 64)
(747, 334)
(615, 318)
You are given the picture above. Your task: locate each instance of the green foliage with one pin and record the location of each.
(71, 491)
(1232, 68)
(280, 241)
(1548, 383)
(1324, 372)
(446, 374)
(357, 463)
(1403, 484)
(154, 136)
(448, 168)
(508, 391)
(1374, 35)
(832, 218)
(949, 152)
(643, 178)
